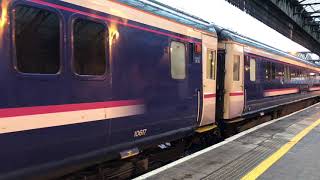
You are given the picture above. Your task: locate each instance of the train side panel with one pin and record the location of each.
(265, 80)
(271, 80)
(146, 92)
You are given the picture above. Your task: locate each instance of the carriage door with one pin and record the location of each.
(209, 56)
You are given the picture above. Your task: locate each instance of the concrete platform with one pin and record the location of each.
(301, 162)
(250, 152)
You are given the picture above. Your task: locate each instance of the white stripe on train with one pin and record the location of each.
(29, 122)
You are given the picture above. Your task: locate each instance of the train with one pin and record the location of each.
(85, 81)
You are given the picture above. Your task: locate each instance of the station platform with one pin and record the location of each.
(285, 148)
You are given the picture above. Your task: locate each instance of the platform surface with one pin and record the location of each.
(240, 155)
(301, 162)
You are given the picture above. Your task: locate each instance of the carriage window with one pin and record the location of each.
(287, 73)
(178, 60)
(37, 40)
(273, 70)
(211, 64)
(293, 73)
(268, 70)
(279, 72)
(89, 45)
(252, 70)
(236, 67)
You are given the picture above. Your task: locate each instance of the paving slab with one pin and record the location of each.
(301, 162)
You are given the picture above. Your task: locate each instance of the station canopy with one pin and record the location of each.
(311, 11)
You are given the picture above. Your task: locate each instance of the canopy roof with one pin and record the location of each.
(311, 10)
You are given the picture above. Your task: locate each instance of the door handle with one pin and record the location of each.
(199, 99)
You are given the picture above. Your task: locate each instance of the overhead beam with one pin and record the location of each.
(282, 16)
(310, 4)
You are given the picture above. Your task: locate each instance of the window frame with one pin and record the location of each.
(185, 58)
(271, 67)
(287, 72)
(273, 71)
(267, 69)
(252, 59)
(214, 69)
(239, 67)
(107, 73)
(12, 28)
(279, 68)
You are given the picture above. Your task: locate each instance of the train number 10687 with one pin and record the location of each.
(140, 133)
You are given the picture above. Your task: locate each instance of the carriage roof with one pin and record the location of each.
(226, 34)
(170, 13)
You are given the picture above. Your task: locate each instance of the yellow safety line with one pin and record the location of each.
(267, 163)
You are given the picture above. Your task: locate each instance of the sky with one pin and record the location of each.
(228, 16)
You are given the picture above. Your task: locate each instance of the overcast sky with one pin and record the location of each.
(228, 16)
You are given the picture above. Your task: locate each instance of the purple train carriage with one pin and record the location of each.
(259, 78)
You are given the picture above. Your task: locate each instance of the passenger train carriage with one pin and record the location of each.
(88, 81)
(258, 77)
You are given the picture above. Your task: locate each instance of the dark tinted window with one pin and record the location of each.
(287, 73)
(279, 71)
(37, 40)
(270, 70)
(293, 72)
(89, 47)
(273, 70)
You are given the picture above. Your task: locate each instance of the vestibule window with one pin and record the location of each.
(211, 64)
(178, 60)
(252, 69)
(236, 67)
